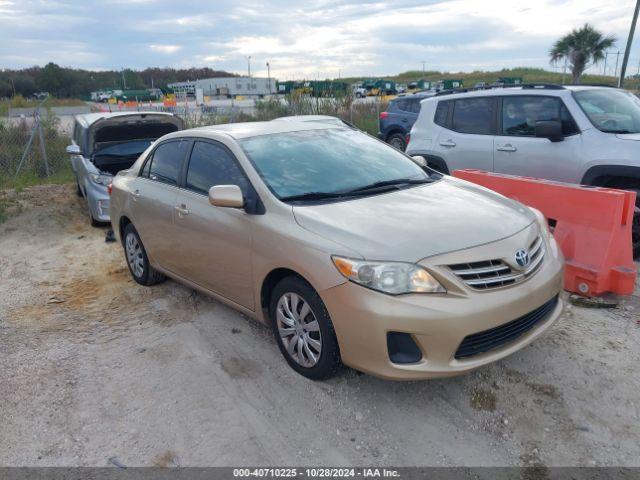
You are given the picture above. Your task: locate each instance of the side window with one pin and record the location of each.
(414, 106)
(442, 112)
(473, 115)
(402, 105)
(520, 114)
(147, 166)
(211, 165)
(77, 135)
(167, 160)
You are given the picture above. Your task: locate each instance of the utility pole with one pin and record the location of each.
(249, 66)
(615, 71)
(625, 59)
(269, 76)
(564, 69)
(124, 81)
(423, 67)
(604, 69)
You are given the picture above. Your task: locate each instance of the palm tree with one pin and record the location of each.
(581, 47)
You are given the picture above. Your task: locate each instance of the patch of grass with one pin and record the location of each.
(31, 178)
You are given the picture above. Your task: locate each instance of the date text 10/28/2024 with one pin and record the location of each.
(316, 472)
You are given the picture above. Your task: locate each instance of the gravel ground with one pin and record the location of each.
(96, 370)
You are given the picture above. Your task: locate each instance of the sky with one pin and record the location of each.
(303, 39)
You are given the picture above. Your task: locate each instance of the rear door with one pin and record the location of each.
(519, 152)
(154, 198)
(466, 141)
(215, 242)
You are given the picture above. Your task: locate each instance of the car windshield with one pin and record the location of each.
(124, 149)
(611, 110)
(327, 161)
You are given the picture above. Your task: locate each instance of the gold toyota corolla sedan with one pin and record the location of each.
(351, 251)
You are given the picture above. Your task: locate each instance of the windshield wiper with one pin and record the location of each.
(390, 183)
(380, 187)
(618, 131)
(313, 196)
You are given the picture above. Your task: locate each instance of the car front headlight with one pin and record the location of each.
(101, 179)
(393, 278)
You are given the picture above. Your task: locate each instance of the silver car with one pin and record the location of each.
(105, 143)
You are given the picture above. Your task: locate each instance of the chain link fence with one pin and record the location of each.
(38, 157)
(34, 145)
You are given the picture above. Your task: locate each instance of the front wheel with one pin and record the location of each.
(397, 141)
(303, 329)
(137, 259)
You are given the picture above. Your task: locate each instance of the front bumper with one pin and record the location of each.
(98, 201)
(438, 323)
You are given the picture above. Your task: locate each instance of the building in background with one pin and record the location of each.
(226, 87)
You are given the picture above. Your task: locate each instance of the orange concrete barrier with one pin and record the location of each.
(592, 227)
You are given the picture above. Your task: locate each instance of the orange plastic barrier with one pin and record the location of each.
(593, 227)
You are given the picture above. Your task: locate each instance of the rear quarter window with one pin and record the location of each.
(473, 115)
(442, 113)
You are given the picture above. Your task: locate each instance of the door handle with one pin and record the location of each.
(404, 120)
(182, 210)
(135, 194)
(507, 148)
(448, 143)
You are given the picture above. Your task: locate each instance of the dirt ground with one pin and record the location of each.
(96, 370)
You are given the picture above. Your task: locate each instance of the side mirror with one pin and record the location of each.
(74, 149)
(551, 129)
(229, 196)
(420, 160)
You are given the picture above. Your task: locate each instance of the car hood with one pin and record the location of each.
(411, 224)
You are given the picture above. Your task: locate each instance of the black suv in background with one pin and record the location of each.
(395, 123)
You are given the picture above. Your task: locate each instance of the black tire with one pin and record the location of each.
(328, 362)
(635, 227)
(147, 275)
(398, 141)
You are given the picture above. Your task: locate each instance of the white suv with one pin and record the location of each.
(577, 134)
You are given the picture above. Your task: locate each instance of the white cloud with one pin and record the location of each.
(168, 49)
(321, 38)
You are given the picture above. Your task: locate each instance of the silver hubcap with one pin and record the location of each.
(134, 255)
(299, 330)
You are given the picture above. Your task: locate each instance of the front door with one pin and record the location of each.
(517, 151)
(215, 242)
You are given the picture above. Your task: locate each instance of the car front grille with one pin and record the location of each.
(495, 337)
(489, 274)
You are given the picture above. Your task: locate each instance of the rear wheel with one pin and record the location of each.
(137, 259)
(303, 329)
(397, 141)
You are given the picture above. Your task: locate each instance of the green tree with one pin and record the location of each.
(51, 79)
(581, 47)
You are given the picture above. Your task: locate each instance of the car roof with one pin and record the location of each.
(548, 90)
(88, 119)
(306, 118)
(253, 129)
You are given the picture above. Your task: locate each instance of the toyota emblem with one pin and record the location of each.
(522, 258)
